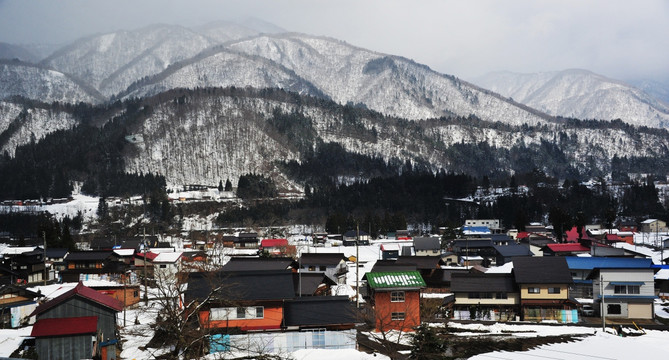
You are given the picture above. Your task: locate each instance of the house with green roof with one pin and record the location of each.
(395, 299)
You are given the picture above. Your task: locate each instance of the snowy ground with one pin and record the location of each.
(598, 346)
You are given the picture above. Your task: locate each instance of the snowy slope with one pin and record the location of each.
(39, 83)
(391, 85)
(31, 123)
(580, 94)
(111, 62)
(213, 136)
(220, 67)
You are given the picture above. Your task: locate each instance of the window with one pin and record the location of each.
(501, 295)
(312, 268)
(613, 309)
(474, 295)
(397, 316)
(260, 312)
(241, 313)
(162, 266)
(553, 290)
(322, 268)
(397, 296)
(627, 289)
(533, 290)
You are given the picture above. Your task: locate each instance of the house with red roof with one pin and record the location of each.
(567, 249)
(78, 324)
(277, 247)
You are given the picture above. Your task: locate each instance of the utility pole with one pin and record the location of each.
(146, 294)
(601, 287)
(357, 268)
(46, 271)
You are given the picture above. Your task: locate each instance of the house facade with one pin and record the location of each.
(333, 265)
(395, 298)
(427, 246)
(78, 324)
(624, 293)
(484, 297)
(544, 289)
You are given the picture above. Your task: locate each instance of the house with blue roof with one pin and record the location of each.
(622, 288)
(582, 267)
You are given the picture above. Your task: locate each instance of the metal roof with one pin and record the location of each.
(395, 279)
(541, 270)
(85, 292)
(589, 263)
(65, 326)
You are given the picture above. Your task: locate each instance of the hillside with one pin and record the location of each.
(579, 94)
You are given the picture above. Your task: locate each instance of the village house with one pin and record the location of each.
(484, 296)
(16, 305)
(244, 300)
(395, 298)
(544, 289)
(277, 247)
(350, 238)
(333, 265)
(246, 240)
(626, 292)
(653, 225)
(78, 324)
(427, 246)
(84, 265)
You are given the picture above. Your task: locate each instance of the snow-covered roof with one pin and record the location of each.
(167, 257)
(124, 252)
(395, 279)
(663, 274)
(17, 250)
(649, 221)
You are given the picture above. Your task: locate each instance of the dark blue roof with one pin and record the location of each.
(589, 263)
(513, 250)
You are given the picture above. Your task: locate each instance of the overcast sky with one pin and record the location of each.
(621, 39)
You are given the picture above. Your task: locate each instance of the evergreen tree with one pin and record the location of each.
(220, 185)
(426, 344)
(228, 185)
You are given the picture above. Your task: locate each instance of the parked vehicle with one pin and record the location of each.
(588, 310)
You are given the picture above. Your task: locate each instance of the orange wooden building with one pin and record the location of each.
(396, 299)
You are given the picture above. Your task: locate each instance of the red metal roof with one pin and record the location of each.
(523, 235)
(65, 326)
(576, 247)
(85, 292)
(274, 243)
(613, 237)
(149, 256)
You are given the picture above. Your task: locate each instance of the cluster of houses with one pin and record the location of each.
(299, 296)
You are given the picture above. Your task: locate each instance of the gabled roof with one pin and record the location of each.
(241, 285)
(321, 258)
(391, 265)
(24, 292)
(395, 280)
(85, 292)
(567, 247)
(426, 243)
(124, 252)
(572, 234)
(56, 252)
(65, 326)
(476, 282)
(590, 263)
(319, 311)
(149, 255)
(541, 270)
(167, 257)
(421, 262)
(274, 243)
(513, 250)
(97, 255)
(473, 243)
(254, 263)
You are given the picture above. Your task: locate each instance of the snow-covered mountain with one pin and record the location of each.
(20, 124)
(579, 94)
(204, 136)
(36, 82)
(347, 74)
(222, 67)
(111, 62)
